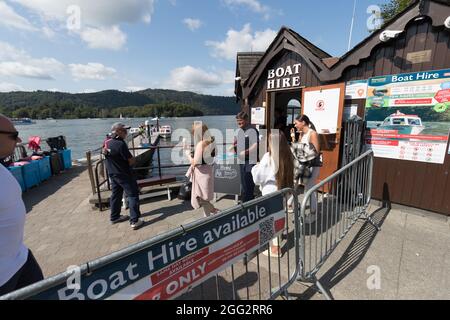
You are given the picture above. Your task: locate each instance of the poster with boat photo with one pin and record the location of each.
(409, 116)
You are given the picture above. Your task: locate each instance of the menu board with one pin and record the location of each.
(409, 116)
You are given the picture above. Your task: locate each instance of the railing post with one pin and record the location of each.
(159, 161)
(90, 172)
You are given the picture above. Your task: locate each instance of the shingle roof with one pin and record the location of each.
(246, 61)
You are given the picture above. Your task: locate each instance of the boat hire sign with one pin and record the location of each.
(284, 77)
(409, 116)
(168, 267)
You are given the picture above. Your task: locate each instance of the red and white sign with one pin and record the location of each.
(442, 96)
(322, 108)
(178, 277)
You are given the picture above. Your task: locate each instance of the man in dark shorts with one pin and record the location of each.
(118, 162)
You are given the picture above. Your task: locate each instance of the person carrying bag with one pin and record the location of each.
(307, 156)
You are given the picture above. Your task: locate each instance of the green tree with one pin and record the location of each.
(392, 8)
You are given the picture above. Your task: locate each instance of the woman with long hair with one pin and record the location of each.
(307, 158)
(201, 170)
(274, 172)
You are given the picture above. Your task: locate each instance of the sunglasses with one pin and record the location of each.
(12, 135)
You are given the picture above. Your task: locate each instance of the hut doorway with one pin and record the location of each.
(284, 107)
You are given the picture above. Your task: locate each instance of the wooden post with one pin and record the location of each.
(90, 172)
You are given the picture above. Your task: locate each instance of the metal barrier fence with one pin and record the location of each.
(339, 201)
(221, 257)
(223, 250)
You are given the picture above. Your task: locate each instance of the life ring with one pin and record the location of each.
(441, 107)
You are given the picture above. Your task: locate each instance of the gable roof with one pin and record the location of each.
(290, 40)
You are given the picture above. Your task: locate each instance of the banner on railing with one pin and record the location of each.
(169, 268)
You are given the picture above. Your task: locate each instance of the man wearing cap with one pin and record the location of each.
(18, 267)
(118, 162)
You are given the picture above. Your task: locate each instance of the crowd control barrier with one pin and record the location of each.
(222, 256)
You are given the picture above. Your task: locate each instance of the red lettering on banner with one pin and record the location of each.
(179, 265)
(183, 279)
(393, 143)
(374, 132)
(408, 136)
(413, 101)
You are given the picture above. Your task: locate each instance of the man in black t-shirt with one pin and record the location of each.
(118, 163)
(247, 149)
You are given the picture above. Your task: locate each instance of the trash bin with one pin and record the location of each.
(17, 172)
(45, 170)
(55, 163)
(31, 174)
(66, 157)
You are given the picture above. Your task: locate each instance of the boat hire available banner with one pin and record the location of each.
(168, 268)
(409, 116)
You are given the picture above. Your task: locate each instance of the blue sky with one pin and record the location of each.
(86, 46)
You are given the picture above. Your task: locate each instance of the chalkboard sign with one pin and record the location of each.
(227, 178)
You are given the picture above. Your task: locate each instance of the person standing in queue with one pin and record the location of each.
(119, 162)
(307, 157)
(18, 267)
(247, 148)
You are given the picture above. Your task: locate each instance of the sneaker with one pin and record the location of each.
(137, 224)
(120, 219)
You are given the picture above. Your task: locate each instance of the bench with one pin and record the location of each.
(150, 182)
(156, 181)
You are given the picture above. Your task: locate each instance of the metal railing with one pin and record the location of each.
(99, 175)
(221, 257)
(344, 198)
(183, 262)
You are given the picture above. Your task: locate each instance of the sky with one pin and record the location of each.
(86, 46)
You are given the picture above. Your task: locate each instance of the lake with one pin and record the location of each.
(88, 134)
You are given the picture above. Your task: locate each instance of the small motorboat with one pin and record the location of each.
(22, 121)
(165, 131)
(403, 123)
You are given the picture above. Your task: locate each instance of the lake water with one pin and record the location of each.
(88, 134)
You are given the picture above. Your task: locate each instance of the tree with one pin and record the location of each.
(391, 9)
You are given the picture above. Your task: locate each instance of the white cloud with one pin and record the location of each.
(17, 62)
(253, 5)
(48, 32)
(8, 87)
(104, 38)
(198, 80)
(134, 88)
(192, 24)
(19, 69)
(91, 71)
(239, 41)
(99, 21)
(94, 13)
(11, 19)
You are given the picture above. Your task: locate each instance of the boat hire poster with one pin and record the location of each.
(409, 116)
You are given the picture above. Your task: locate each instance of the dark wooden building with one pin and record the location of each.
(291, 65)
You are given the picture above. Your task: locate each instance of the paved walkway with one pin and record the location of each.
(412, 252)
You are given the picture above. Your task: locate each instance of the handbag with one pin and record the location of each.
(305, 170)
(185, 191)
